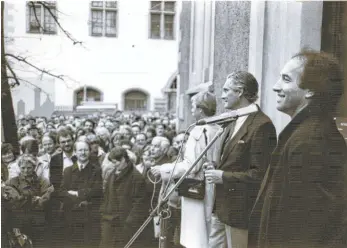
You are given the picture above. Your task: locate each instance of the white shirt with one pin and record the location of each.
(67, 161)
(241, 120)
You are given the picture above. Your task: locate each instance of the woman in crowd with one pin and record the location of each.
(196, 214)
(28, 199)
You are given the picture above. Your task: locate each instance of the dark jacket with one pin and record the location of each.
(301, 199)
(81, 213)
(124, 202)
(244, 162)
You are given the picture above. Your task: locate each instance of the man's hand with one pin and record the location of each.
(72, 192)
(155, 170)
(214, 176)
(208, 165)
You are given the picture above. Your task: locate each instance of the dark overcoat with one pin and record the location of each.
(301, 200)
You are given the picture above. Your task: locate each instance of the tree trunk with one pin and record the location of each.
(9, 125)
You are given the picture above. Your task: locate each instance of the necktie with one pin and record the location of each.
(230, 130)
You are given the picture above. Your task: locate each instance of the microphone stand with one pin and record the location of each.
(166, 198)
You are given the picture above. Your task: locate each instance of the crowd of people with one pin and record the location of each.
(84, 180)
(92, 182)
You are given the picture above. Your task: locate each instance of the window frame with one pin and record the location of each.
(162, 12)
(41, 17)
(104, 9)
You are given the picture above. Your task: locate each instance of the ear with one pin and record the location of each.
(309, 94)
(240, 92)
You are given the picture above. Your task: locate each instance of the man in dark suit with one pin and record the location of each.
(82, 192)
(244, 153)
(301, 200)
(60, 160)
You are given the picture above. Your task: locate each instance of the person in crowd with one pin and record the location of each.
(160, 129)
(62, 159)
(105, 136)
(146, 162)
(301, 202)
(126, 132)
(150, 133)
(79, 132)
(140, 145)
(42, 169)
(196, 213)
(22, 132)
(8, 162)
(81, 190)
(28, 199)
(49, 147)
(89, 126)
(125, 196)
(135, 128)
(243, 156)
(127, 145)
(97, 154)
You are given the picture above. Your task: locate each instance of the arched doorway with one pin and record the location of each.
(88, 94)
(135, 100)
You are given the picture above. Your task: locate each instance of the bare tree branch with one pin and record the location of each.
(43, 71)
(28, 82)
(13, 74)
(49, 9)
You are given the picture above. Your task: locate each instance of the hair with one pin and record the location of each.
(27, 158)
(64, 133)
(323, 75)
(51, 136)
(142, 134)
(206, 101)
(152, 131)
(163, 141)
(161, 124)
(89, 120)
(6, 148)
(92, 138)
(31, 145)
(247, 82)
(117, 153)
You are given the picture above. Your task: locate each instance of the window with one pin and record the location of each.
(135, 100)
(104, 18)
(162, 19)
(92, 95)
(40, 19)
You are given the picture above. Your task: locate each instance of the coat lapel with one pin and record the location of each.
(229, 146)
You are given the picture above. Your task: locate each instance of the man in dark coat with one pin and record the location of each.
(82, 192)
(301, 200)
(60, 160)
(125, 199)
(244, 154)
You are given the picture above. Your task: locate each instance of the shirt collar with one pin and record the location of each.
(81, 166)
(66, 157)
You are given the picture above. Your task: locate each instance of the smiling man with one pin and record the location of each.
(242, 160)
(301, 199)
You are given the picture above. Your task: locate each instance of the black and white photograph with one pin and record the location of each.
(173, 124)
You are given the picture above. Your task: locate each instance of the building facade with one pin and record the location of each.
(128, 52)
(219, 37)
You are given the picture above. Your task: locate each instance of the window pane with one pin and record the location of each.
(97, 22)
(155, 5)
(169, 6)
(97, 3)
(35, 19)
(169, 26)
(111, 23)
(49, 22)
(155, 25)
(111, 4)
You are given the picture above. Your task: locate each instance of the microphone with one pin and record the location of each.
(228, 116)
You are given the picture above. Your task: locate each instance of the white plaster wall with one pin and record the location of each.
(113, 65)
(287, 27)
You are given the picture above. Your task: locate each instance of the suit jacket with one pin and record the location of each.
(244, 162)
(301, 199)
